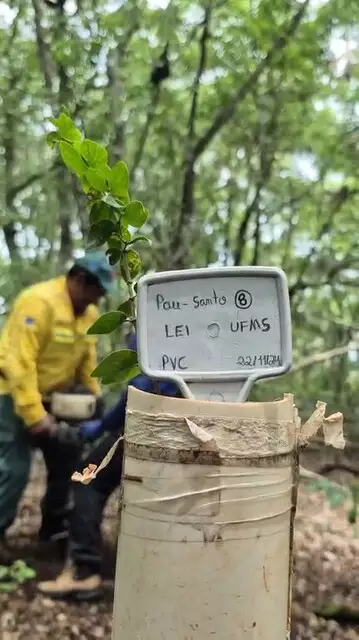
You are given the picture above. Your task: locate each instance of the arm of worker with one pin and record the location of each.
(114, 419)
(27, 327)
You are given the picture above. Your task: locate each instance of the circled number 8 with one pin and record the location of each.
(243, 299)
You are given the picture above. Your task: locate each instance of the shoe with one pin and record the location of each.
(68, 585)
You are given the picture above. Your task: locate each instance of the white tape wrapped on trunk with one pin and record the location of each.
(204, 544)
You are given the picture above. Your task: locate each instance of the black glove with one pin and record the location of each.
(67, 434)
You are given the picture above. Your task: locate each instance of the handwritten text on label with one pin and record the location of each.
(198, 325)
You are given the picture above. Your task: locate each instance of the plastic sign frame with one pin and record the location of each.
(245, 377)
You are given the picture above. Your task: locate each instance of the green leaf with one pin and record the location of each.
(4, 572)
(101, 231)
(85, 185)
(97, 179)
(134, 263)
(66, 128)
(118, 180)
(140, 239)
(126, 307)
(126, 235)
(8, 587)
(52, 138)
(119, 366)
(107, 323)
(94, 154)
(72, 159)
(100, 211)
(109, 199)
(135, 214)
(21, 572)
(116, 242)
(114, 255)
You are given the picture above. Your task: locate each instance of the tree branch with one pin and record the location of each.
(242, 230)
(145, 131)
(338, 466)
(21, 186)
(116, 89)
(187, 201)
(301, 286)
(41, 46)
(266, 157)
(338, 200)
(64, 182)
(232, 188)
(9, 157)
(306, 474)
(257, 239)
(13, 33)
(324, 356)
(197, 81)
(225, 113)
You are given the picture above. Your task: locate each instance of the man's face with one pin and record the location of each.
(87, 292)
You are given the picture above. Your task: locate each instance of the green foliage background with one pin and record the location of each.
(247, 154)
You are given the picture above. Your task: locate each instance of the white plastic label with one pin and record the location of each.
(214, 324)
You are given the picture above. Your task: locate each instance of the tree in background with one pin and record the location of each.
(238, 120)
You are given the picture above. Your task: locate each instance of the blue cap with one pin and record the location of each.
(96, 263)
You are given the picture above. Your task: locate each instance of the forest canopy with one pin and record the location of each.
(238, 120)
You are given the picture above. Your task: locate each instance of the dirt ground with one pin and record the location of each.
(326, 571)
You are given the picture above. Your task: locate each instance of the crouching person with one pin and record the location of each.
(44, 348)
(80, 578)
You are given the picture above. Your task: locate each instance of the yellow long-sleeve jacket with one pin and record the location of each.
(44, 347)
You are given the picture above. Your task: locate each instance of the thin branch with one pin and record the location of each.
(197, 81)
(64, 183)
(13, 34)
(42, 47)
(348, 325)
(229, 216)
(333, 271)
(267, 158)
(242, 230)
(9, 157)
(225, 113)
(145, 132)
(306, 474)
(324, 356)
(115, 63)
(338, 466)
(21, 186)
(257, 239)
(187, 200)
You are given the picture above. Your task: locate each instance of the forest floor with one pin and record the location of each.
(326, 571)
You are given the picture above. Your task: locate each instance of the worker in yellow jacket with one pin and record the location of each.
(44, 347)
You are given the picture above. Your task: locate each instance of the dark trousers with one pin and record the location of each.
(85, 539)
(61, 460)
(15, 459)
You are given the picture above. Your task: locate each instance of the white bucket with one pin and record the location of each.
(205, 538)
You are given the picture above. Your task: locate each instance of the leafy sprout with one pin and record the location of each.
(113, 216)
